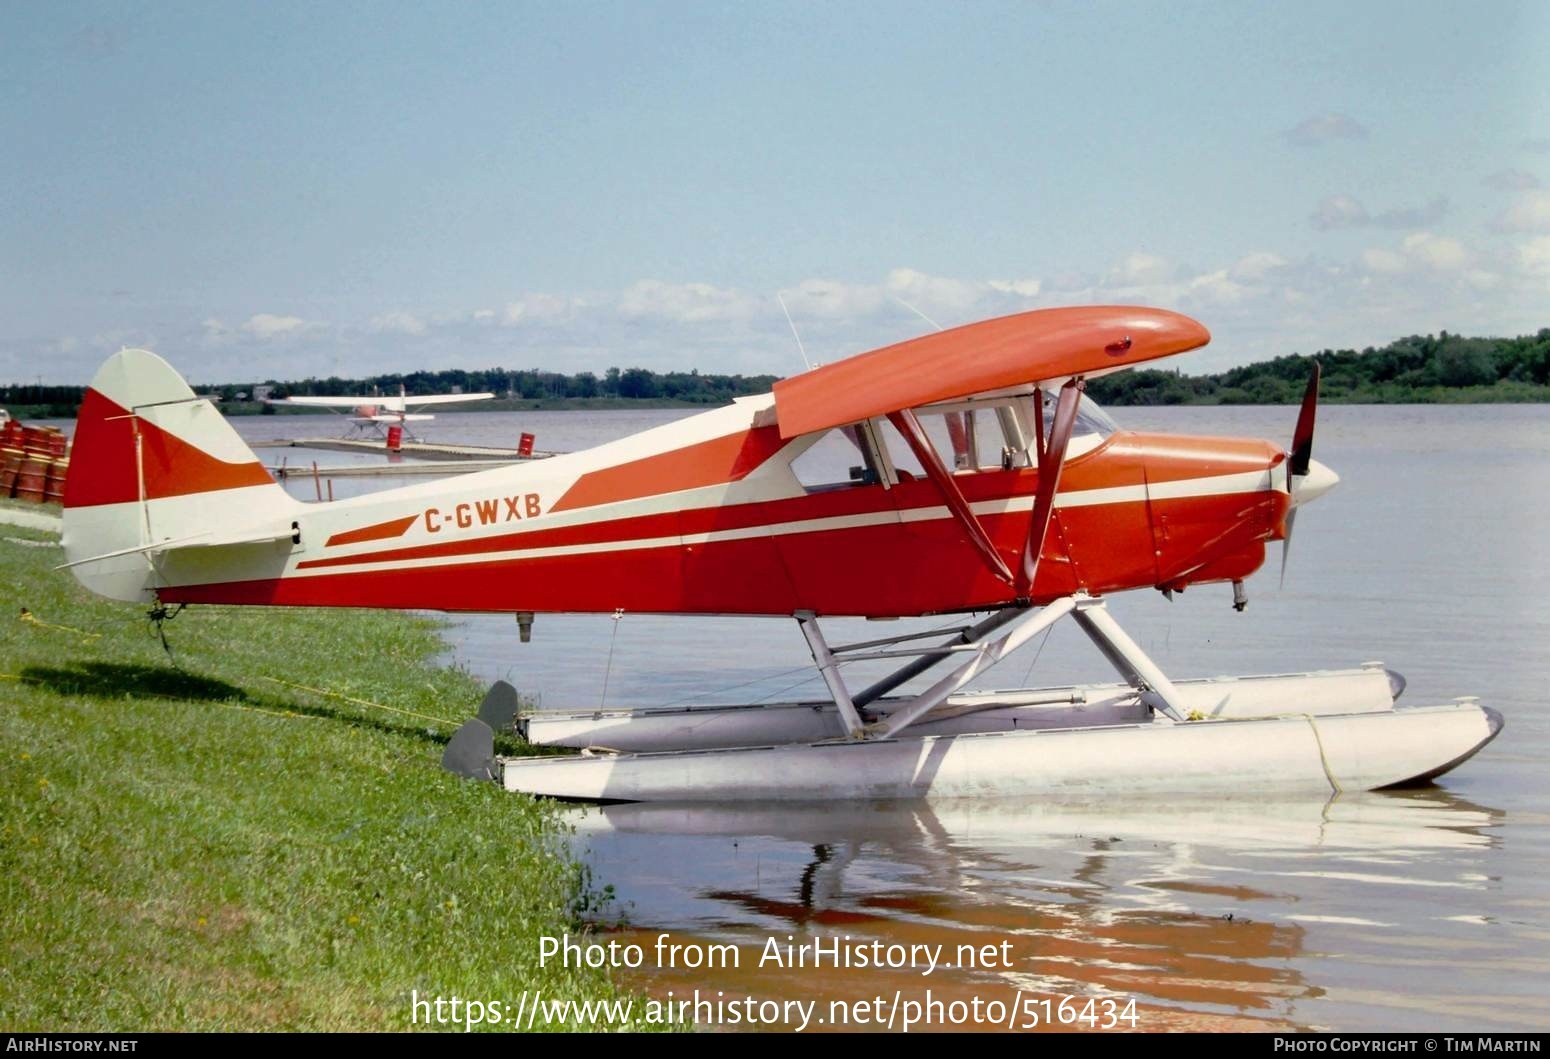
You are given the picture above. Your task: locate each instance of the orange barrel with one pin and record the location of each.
(56, 441)
(395, 438)
(54, 483)
(10, 467)
(30, 481)
(525, 444)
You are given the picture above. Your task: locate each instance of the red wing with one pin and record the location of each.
(1036, 346)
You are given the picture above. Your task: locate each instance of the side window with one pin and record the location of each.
(973, 440)
(905, 466)
(840, 459)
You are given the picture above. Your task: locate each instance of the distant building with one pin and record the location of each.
(261, 392)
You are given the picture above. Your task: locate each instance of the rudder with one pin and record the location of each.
(151, 462)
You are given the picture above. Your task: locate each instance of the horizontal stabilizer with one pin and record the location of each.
(197, 540)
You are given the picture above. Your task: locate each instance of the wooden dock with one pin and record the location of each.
(419, 450)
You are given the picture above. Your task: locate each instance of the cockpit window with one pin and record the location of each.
(981, 437)
(841, 458)
(1090, 419)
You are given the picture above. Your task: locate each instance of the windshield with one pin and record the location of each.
(1090, 419)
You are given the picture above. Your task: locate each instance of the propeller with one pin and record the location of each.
(1299, 460)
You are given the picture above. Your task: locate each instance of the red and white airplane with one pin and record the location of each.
(960, 472)
(380, 412)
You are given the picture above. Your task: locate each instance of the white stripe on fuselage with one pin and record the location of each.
(1218, 485)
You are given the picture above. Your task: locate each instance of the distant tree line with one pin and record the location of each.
(1418, 369)
(636, 384)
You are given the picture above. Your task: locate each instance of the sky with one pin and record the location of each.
(277, 190)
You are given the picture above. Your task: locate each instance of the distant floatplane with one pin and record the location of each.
(381, 413)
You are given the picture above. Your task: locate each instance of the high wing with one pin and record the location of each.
(444, 398)
(1042, 346)
(388, 403)
(1057, 349)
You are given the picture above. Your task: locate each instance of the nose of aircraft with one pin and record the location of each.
(1318, 481)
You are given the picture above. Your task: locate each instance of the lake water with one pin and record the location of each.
(1416, 910)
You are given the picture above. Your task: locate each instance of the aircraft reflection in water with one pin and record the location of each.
(1209, 914)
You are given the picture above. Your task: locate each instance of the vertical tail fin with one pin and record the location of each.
(153, 463)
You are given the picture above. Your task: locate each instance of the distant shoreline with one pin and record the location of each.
(1481, 395)
(1421, 369)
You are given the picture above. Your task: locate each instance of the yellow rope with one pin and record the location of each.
(1323, 759)
(273, 713)
(358, 702)
(29, 618)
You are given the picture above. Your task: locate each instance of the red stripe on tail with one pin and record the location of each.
(102, 467)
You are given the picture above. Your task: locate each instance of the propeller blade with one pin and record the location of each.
(1301, 459)
(1302, 437)
(1286, 543)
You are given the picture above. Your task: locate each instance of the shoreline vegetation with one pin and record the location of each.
(255, 833)
(1420, 369)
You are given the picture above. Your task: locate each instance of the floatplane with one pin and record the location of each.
(382, 413)
(960, 473)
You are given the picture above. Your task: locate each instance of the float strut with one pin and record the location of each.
(830, 670)
(986, 655)
(1125, 655)
(926, 661)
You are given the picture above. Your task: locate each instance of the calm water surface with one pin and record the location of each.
(1414, 910)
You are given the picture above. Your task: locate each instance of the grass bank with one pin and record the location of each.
(209, 845)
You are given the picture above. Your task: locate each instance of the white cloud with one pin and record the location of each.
(1323, 128)
(1023, 288)
(690, 303)
(834, 299)
(1339, 211)
(271, 325)
(1256, 266)
(1419, 250)
(937, 292)
(1343, 211)
(1529, 212)
(1380, 260)
(399, 321)
(1258, 304)
(1534, 255)
(1512, 180)
(1141, 269)
(1218, 287)
(538, 308)
(1438, 251)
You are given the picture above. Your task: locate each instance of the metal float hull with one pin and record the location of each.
(1301, 754)
(1370, 688)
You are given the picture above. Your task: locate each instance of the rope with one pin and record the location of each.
(742, 684)
(1036, 654)
(608, 669)
(1323, 759)
(358, 702)
(29, 618)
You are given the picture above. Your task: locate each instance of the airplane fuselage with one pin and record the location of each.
(709, 515)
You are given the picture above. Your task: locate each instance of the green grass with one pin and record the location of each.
(197, 847)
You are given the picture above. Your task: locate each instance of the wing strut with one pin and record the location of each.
(931, 463)
(1051, 457)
